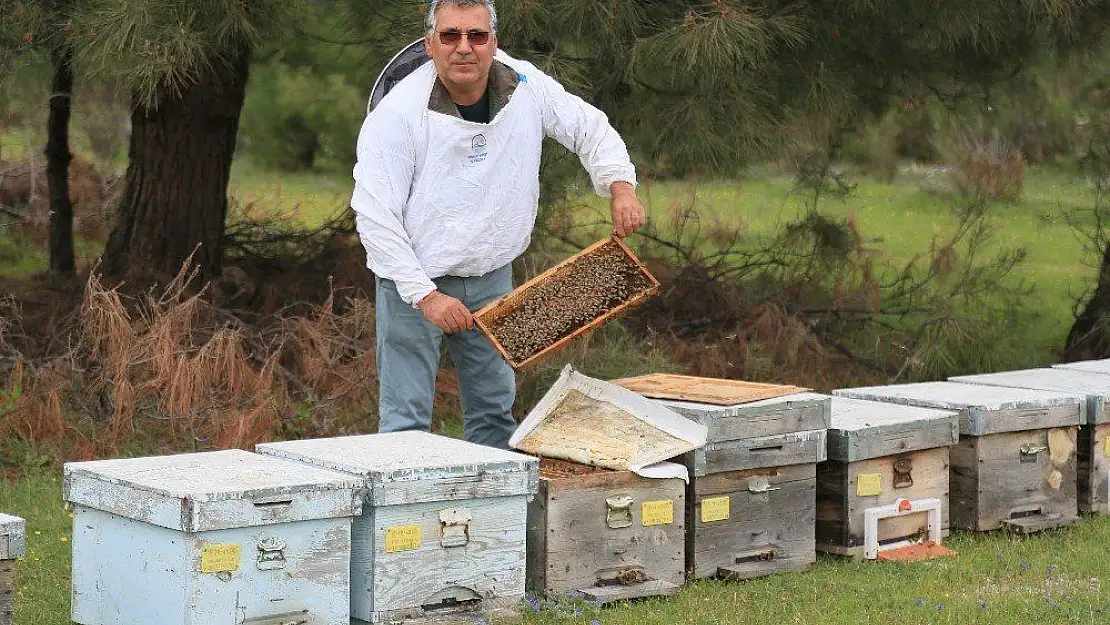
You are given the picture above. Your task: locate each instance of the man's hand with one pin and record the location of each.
(628, 212)
(448, 313)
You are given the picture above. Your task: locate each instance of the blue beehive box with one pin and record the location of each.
(218, 537)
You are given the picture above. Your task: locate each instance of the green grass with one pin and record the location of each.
(997, 578)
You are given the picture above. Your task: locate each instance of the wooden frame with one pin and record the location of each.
(485, 317)
(718, 392)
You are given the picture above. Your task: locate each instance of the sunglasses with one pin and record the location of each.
(475, 37)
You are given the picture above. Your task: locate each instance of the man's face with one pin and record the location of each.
(462, 64)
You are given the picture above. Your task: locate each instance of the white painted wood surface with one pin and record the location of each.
(13, 537)
(1094, 386)
(866, 429)
(461, 506)
(983, 409)
(413, 467)
(283, 529)
(1093, 366)
(211, 490)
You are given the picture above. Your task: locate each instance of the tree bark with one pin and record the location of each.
(1089, 337)
(62, 259)
(179, 164)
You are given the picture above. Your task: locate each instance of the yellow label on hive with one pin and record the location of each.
(1106, 446)
(869, 484)
(402, 538)
(657, 513)
(220, 558)
(714, 509)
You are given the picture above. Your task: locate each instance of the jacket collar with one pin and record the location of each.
(503, 81)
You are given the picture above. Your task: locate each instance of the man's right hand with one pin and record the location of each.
(448, 313)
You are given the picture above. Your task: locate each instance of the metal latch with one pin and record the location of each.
(1029, 452)
(903, 473)
(759, 489)
(271, 554)
(618, 511)
(454, 527)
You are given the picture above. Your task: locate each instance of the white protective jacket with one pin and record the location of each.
(436, 195)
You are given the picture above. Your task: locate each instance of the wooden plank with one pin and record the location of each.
(800, 412)
(1093, 467)
(716, 391)
(493, 611)
(487, 316)
(963, 483)
(842, 503)
(764, 533)
(582, 548)
(491, 564)
(1040, 484)
(602, 595)
(1039, 523)
(7, 591)
(757, 453)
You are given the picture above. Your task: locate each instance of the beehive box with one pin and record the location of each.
(566, 301)
(879, 454)
(443, 527)
(218, 537)
(1093, 448)
(13, 545)
(1000, 475)
(751, 501)
(609, 535)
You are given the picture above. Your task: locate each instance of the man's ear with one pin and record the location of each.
(428, 45)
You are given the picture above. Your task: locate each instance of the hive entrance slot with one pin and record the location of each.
(273, 504)
(763, 555)
(1024, 514)
(452, 599)
(756, 450)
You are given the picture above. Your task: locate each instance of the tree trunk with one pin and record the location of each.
(179, 163)
(1089, 337)
(57, 164)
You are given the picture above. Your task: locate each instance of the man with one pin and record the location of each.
(446, 192)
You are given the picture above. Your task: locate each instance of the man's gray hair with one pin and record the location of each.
(435, 4)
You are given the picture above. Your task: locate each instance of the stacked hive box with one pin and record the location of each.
(443, 527)
(610, 535)
(219, 537)
(12, 546)
(879, 456)
(1015, 462)
(1092, 462)
(751, 498)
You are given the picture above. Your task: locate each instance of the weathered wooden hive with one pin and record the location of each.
(1093, 439)
(217, 537)
(609, 535)
(881, 455)
(13, 545)
(751, 499)
(443, 526)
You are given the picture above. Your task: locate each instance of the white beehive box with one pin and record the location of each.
(1093, 439)
(443, 525)
(13, 545)
(1093, 366)
(751, 501)
(880, 454)
(216, 537)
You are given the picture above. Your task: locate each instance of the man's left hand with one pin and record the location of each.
(628, 212)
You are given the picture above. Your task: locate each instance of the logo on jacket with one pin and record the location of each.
(478, 151)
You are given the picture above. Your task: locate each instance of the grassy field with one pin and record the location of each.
(997, 579)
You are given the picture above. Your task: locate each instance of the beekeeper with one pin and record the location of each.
(446, 192)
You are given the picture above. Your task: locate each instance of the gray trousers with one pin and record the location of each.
(408, 359)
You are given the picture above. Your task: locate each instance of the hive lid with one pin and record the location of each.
(1092, 366)
(211, 490)
(1094, 386)
(867, 429)
(13, 537)
(799, 412)
(983, 409)
(591, 421)
(420, 463)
